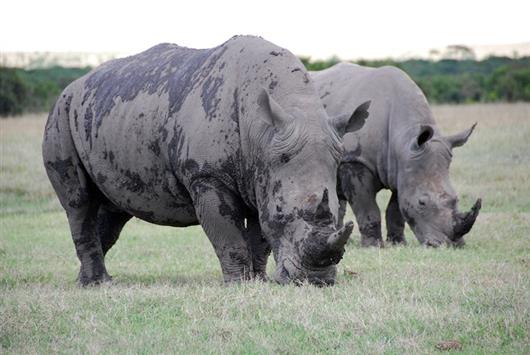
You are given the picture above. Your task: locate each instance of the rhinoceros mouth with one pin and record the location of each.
(292, 271)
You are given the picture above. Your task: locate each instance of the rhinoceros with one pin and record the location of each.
(401, 149)
(233, 138)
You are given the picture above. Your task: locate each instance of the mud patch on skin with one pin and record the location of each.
(61, 167)
(88, 124)
(154, 147)
(234, 213)
(175, 149)
(133, 182)
(234, 115)
(347, 175)
(76, 121)
(67, 104)
(162, 68)
(276, 187)
(210, 102)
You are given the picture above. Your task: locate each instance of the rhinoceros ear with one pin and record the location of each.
(273, 113)
(460, 139)
(350, 123)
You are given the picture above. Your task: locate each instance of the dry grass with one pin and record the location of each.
(168, 295)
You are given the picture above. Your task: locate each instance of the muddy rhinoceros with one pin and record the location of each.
(233, 138)
(400, 148)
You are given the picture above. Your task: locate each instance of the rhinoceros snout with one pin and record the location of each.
(289, 272)
(463, 222)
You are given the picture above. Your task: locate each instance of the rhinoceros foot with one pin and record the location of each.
(372, 242)
(396, 239)
(93, 279)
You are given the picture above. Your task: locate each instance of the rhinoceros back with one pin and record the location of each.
(122, 118)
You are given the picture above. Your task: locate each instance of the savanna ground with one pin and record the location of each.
(167, 295)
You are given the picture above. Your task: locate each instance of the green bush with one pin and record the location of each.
(33, 90)
(13, 92)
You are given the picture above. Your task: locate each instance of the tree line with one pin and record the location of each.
(445, 81)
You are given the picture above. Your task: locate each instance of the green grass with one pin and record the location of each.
(168, 296)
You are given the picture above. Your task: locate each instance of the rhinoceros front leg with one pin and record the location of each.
(221, 215)
(360, 187)
(395, 223)
(259, 247)
(342, 211)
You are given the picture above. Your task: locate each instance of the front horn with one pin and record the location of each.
(464, 221)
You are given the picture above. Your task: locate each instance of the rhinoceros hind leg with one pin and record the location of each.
(82, 200)
(109, 224)
(77, 193)
(221, 215)
(83, 225)
(395, 223)
(360, 188)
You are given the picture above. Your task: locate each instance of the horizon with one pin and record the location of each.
(44, 59)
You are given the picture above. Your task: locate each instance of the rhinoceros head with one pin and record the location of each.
(296, 189)
(426, 198)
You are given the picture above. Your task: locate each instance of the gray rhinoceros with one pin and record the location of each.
(233, 138)
(400, 148)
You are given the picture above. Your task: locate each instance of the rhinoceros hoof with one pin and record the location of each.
(459, 243)
(261, 276)
(84, 280)
(372, 242)
(396, 239)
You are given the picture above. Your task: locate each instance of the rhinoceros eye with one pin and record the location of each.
(422, 201)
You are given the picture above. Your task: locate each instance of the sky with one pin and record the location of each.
(319, 29)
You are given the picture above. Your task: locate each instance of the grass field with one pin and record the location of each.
(167, 295)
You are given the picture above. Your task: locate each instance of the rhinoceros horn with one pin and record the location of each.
(338, 240)
(463, 222)
(324, 250)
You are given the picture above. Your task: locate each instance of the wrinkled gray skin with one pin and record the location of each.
(400, 148)
(179, 136)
